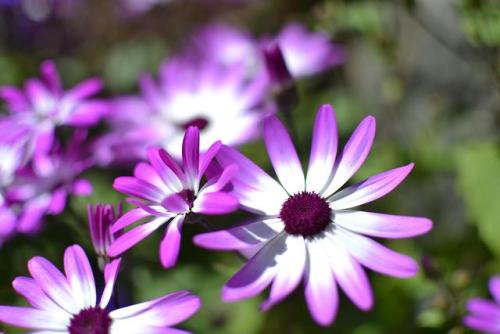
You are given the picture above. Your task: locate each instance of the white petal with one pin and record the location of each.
(291, 265)
(320, 288)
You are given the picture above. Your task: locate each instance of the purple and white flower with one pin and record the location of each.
(306, 53)
(43, 188)
(44, 105)
(226, 45)
(67, 303)
(165, 193)
(308, 229)
(221, 101)
(484, 315)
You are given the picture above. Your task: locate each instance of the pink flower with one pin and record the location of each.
(67, 303)
(484, 315)
(165, 193)
(306, 52)
(44, 105)
(309, 230)
(43, 188)
(221, 101)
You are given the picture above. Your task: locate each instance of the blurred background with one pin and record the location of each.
(428, 70)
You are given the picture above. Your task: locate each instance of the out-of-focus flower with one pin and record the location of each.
(305, 52)
(276, 66)
(44, 104)
(281, 81)
(41, 10)
(101, 217)
(12, 153)
(43, 188)
(221, 101)
(67, 303)
(165, 193)
(484, 315)
(226, 45)
(133, 127)
(309, 229)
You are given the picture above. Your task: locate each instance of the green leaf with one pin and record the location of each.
(478, 178)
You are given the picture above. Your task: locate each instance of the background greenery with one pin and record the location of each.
(428, 70)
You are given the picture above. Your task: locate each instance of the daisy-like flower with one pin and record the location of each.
(67, 303)
(44, 104)
(226, 45)
(43, 188)
(484, 315)
(186, 94)
(192, 95)
(165, 193)
(309, 229)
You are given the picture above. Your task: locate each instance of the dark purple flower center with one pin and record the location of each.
(199, 122)
(305, 214)
(93, 320)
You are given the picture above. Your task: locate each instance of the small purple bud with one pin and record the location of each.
(276, 66)
(101, 217)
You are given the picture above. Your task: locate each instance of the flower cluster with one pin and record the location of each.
(218, 83)
(39, 169)
(182, 135)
